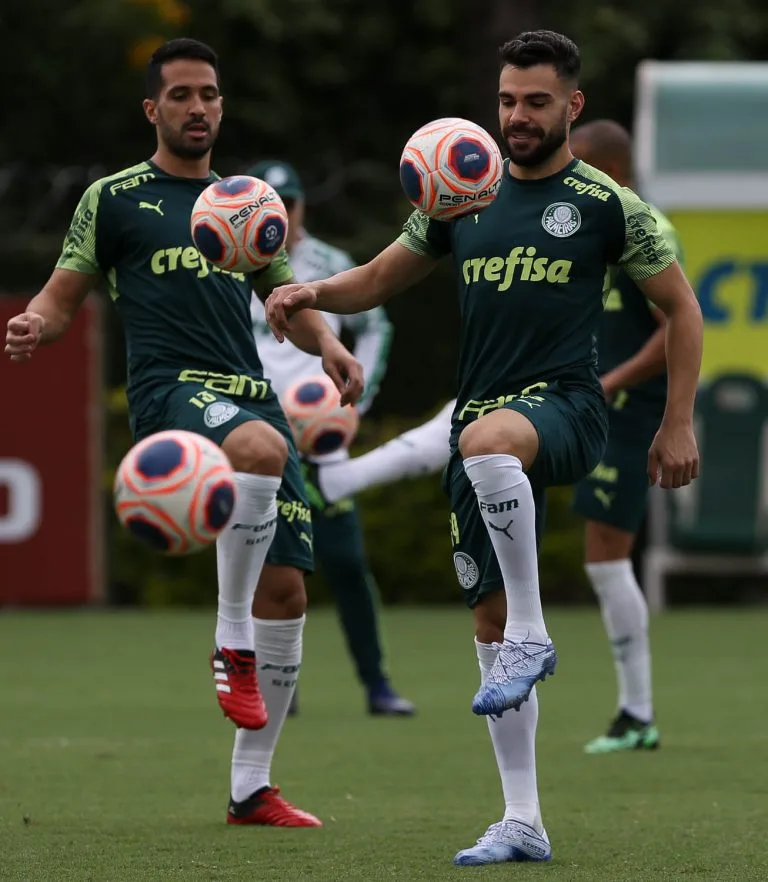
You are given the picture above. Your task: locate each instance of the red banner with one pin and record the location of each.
(51, 536)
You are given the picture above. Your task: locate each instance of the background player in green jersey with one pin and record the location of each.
(192, 364)
(530, 410)
(338, 545)
(612, 498)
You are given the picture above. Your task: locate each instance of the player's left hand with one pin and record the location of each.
(344, 369)
(674, 454)
(285, 302)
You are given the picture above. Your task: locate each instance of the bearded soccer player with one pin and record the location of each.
(193, 365)
(338, 543)
(530, 412)
(632, 366)
(612, 498)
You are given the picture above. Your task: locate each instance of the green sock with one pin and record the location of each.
(338, 544)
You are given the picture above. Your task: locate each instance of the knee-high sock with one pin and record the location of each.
(514, 743)
(625, 616)
(241, 550)
(278, 645)
(507, 507)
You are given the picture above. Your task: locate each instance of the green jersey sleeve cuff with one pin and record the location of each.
(278, 272)
(77, 264)
(647, 251)
(425, 236)
(418, 246)
(639, 272)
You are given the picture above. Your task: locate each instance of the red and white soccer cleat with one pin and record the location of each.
(237, 687)
(268, 808)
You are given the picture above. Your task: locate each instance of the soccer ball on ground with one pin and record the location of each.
(239, 223)
(317, 419)
(175, 491)
(451, 167)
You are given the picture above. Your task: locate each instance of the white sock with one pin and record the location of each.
(625, 615)
(420, 451)
(514, 743)
(506, 505)
(240, 553)
(277, 644)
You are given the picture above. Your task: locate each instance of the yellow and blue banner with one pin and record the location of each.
(726, 260)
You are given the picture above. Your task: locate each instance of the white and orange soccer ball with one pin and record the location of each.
(239, 223)
(451, 167)
(317, 419)
(175, 491)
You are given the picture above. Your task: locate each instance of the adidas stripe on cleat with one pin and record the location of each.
(237, 687)
(267, 808)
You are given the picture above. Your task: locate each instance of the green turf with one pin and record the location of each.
(114, 760)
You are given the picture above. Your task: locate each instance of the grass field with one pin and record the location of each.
(114, 761)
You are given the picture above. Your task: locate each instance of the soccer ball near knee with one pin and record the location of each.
(451, 167)
(317, 419)
(239, 224)
(175, 491)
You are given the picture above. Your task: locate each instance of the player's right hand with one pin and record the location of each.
(286, 301)
(23, 335)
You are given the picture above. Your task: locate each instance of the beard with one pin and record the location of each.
(181, 145)
(528, 155)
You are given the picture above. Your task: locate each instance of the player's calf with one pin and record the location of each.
(258, 454)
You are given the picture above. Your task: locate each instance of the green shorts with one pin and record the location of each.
(616, 491)
(572, 426)
(192, 407)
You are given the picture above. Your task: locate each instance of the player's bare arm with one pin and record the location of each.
(646, 363)
(355, 290)
(48, 314)
(674, 452)
(310, 332)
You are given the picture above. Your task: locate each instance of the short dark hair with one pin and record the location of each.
(182, 47)
(543, 47)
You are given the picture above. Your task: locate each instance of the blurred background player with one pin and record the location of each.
(632, 366)
(412, 454)
(338, 536)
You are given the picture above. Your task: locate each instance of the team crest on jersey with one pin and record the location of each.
(218, 413)
(467, 571)
(561, 219)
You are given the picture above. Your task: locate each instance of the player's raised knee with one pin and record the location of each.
(256, 449)
(503, 431)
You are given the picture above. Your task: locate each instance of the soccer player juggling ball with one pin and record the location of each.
(530, 412)
(192, 364)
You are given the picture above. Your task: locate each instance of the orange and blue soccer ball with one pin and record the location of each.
(317, 419)
(239, 223)
(175, 491)
(450, 167)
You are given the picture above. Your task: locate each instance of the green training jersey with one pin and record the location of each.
(533, 268)
(184, 319)
(626, 326)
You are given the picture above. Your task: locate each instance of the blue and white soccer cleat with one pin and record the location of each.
(504, 842)
(517, 669)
